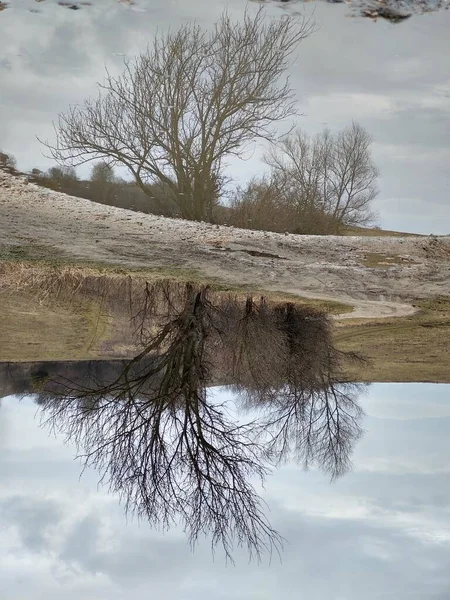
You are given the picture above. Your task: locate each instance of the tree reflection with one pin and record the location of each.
(307, 409)
(176, 455)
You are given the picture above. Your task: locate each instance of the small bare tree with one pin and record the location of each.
(313, 426)
(7, 161)
(330, 174)
(194, 98)
(307, 408)
(103, 180)
(351, 178)
(259, 205)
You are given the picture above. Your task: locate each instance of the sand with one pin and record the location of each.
(378, 276)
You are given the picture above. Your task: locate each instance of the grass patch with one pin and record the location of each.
(30, 253)
(81, 312)
(35, 331)
(376, 260)
(415, 348)
(374, 232)
(330, 307)
(440, 305)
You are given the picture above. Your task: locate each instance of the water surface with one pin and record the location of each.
(380, 532)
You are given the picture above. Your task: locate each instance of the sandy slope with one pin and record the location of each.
(314, 266)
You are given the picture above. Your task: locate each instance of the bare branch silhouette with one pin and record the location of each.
(170, 453)
(177, 456)
(309, 413)
(187, 104)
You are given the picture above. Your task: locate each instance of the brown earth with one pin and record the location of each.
(380, 277)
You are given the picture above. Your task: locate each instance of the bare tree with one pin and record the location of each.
(174, 454)
(102, 180)
(307, 408)
(258, 347)
(351, 178)
(7, 161)
(181, 108)
(313, 426)
(259, 205)
(330, 174)
(61, 176)
(169, 452)
(102, 172)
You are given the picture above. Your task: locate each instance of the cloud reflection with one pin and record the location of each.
(376, 533)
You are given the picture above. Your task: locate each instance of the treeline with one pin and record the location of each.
(103, 186)
(187, 104)
(312, 185)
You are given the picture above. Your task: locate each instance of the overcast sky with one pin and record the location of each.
(380, 533)
(393, 79)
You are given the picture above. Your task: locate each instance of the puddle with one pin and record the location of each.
(252, 252)
(390, 508)
(375, 260)
(155, 409)
(226, 420)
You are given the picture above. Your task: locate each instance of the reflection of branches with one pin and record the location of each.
(309, 412)
(313, 427)
(172, 453)
(256, 346)
(167, 450)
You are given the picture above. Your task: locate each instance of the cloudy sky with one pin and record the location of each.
(393, 79)
(382, 532)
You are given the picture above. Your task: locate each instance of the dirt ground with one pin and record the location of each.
(413, 348)
(380, 277)
(33, 330)
(398, 287)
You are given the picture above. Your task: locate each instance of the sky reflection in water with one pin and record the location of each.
(382, 531)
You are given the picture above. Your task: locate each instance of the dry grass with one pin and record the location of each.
(374, 232)
(34, 331)
(79, 313)
(377, 260)
(61, 314)
(71, 313)
(18, 270)
(415, 348)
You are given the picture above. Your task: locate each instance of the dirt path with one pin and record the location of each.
(379, 276)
